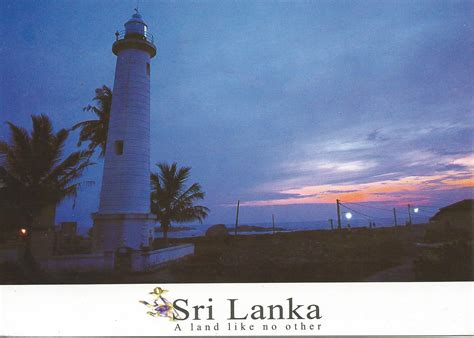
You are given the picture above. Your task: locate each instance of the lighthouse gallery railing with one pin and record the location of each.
(144, 35)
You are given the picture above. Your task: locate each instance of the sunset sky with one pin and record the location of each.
(283, 105)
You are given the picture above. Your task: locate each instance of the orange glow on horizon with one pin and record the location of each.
(468, 182)
(419, 187)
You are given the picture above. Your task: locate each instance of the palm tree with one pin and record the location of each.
(171, 200)
(33, 175)
(95, 131)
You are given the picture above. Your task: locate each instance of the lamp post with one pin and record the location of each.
(273, 223)
(237, 217)
(409, 214)
(338, 214)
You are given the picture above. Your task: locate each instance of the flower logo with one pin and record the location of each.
(160, 306)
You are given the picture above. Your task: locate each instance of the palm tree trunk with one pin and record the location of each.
(165, 233)
(28, 257)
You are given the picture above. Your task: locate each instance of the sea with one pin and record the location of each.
(199, 230)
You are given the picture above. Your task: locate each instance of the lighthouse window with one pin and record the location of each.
(119, 147)
(148, 69)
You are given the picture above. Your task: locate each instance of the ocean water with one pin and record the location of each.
(200, 229)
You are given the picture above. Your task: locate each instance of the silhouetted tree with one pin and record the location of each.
(34, 175)
(90, 232)
(171, 200)
(95, 131)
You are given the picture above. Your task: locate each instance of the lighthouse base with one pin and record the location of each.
(113, 231)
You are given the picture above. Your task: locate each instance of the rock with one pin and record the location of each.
(217, 230)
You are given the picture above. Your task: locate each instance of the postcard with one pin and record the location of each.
(236, 168)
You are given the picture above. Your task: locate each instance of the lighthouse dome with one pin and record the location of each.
(136, 26)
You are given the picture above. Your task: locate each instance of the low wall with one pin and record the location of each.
(143, 261)
(79, 263)
(140, 261)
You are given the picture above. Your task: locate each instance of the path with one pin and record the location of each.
(404, 272)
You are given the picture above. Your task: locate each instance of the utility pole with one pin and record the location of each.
(409, 214)
(395, 216)
(332, 224)
(237, 217)
(273, 223)
(338, 215)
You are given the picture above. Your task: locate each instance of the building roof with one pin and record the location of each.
(466, 205)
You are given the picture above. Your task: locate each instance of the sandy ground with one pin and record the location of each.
(312, 256)
(382, 254)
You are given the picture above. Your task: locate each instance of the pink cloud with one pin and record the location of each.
(397, 191)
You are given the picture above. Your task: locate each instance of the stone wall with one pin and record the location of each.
(140, 260)
(144, 261)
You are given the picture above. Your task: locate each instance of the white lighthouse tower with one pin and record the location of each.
(124, 218)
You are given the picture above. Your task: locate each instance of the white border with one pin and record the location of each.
(444, 308)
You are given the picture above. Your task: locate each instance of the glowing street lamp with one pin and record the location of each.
(23, 232)
(415, 210)
(348, 215)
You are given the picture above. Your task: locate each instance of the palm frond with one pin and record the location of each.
(95, 131)
(35, 174)
(171, 200)
(4, 147)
